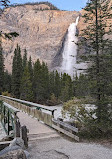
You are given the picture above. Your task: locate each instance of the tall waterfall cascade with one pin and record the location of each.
(69, 55)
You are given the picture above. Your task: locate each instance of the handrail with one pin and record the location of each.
(65, 129)
(8, 118)
(65, 125)
(27, 103)
(12, 109)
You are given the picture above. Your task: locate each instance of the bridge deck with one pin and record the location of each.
(37, 130)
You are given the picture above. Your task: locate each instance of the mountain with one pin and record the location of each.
(41, 31)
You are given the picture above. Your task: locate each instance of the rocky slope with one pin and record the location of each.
(40, 32)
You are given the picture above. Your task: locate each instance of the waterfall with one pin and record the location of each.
(70, 50)
(69, 63)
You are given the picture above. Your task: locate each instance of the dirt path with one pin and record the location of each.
(59, 148)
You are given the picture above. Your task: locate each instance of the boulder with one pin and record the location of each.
(17, 142)
(16, 154)
(27, 154)
(8, 149)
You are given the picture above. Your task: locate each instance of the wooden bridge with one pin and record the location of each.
(41, 125)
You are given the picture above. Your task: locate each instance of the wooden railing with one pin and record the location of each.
(31, 108)
(31, 104)
(65, 128)
(9, 119)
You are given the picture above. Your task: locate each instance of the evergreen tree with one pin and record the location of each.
(41, 82)
(30, 68)
(16, 72)
(1, 70)
(37, 80)
(81, 86)
(7, 82)
(66, 87)
(24, 59)
(51, 82)
(4, 3)
(100, 72)
(45, 82)
(57, 85)
(26, 86)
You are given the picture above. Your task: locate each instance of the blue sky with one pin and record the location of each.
(61, 4)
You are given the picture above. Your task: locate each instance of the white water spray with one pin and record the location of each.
(70, 50)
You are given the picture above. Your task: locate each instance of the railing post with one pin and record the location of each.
(24, 135)
(4, 116)
(17, 126)
(53, 113)
(1, 107)
(8, 121)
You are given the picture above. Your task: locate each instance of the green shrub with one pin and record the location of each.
(85, 119)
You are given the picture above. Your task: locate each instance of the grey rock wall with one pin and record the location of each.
(40, 32)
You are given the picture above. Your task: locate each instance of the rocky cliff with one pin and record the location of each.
(41, 32)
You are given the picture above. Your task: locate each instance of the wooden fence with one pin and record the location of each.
(30, 110)
(65, 128)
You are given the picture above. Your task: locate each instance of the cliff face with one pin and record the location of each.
(40, 32)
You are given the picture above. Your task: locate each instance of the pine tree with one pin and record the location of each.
(66, 87)
(51, 82)
(45, 81)
(30, 68)
(41, 82)
(97, 14)
(1, 70)
(57, 86)
(4, 3)
(7, 82)
(37, 80)
(16, 72)
(24, 59)
(81, 86)
(26, 86)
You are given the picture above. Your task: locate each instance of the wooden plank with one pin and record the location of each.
(65, 132)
